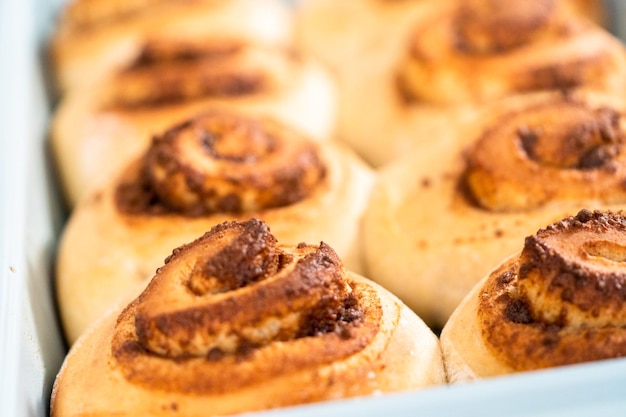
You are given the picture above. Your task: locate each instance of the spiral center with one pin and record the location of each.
(235, 141)
(490, 26)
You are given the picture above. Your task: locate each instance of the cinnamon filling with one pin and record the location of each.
(222, 162)
(160, 51)
(172, 71)
(562, 302)
(290, 305)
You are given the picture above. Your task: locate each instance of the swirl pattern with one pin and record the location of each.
(264, 296)
(171, 71)
(547, 155)
(507, 47)
(561, 301)
(222, 162)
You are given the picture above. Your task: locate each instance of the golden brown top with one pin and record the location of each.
(233, 308)
(223, 162)
(560, 151)
(561, 301)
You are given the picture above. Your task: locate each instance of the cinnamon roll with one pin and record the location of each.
(209, 169)
(441, 62)
(557, 302)
(507, 47)
(438, 219)
(235, 322)
(95, 38)
(95, 131)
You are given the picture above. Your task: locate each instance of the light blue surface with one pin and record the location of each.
(30, 346)
(589, 390)
(12, 112)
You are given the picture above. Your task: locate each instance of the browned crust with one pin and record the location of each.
(572, 310)
(337, 318)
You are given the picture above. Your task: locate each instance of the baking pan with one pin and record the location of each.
(31, 216)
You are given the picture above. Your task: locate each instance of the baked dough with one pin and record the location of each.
(557, 302)
(440, 219)
(409, 71)
(273, 325)
(219, 166)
